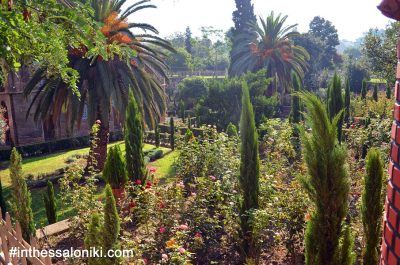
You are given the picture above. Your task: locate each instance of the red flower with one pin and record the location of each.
(148, 185)
(161, 205)
(132, 204)
(162, 230)
(145, 260)
(138, 182)
(197, 235)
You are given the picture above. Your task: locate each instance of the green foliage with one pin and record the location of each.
(335, 103)
(364, 89)
(21, 196)
(182, 110)
(375, 93)
(356, 72)
(371, 206)
(50, 204)
(249, 171)
(111, 226)
(347, 101)
(133, 133)
(188, 40)
(231, 130)
(388, 92)
(347, 255)
(3, 205)
(157, 135)
(327, 184)
(114, 172)
(295, 115)
(93, 238)
(191, 90)
(172, 133)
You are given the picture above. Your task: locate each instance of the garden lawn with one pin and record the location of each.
(165, 169)
(51, 163)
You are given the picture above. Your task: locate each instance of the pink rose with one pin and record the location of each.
(184, 227)
(182, 250)
(164, 257)
(162, 230)
(212, 178)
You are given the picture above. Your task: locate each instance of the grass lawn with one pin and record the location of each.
(51, 163)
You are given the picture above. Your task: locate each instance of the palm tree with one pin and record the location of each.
(269, 46)
(104, 84)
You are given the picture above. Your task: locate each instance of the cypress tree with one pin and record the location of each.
(231, 130)
(93, 238)
(249, 171)
(189, 123)
(2, 202)
(188, 40)
(295, 113)
(375, 93)
(364, 89)
(388, 92)
(111, 226)
(172, 133)
(114, 172)
(157, 135)
(50, 203)
(327, 184)
(347, 101)
(182, 110)
(347, 255)
(335, 103)
(371, 207)
(21, 196)
(133, 133)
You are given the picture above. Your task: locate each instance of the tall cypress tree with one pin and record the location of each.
(188, 40)
(327, 185)
(172, 133)
(249, 171)
(21, 196)
(93, 239)
(347, 101)
(111, 226)
(157, 135)
(50, 203)
(114, 172)
(133, 133)
(182, 110)
(295, 113)
(335, 102)
(371, 206)
(375, 93)
(364, 89)
(388, 92)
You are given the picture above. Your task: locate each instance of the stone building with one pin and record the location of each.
(22, 129)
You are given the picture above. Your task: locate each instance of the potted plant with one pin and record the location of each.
(114, 172)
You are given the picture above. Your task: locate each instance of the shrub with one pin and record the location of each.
(388, 92)
(347, 101)
(371, 206)
(22, 199)
(134, 159)
(249, 172)
(50, 203)
(111, 226)
(114, 172)
(375, 93)
(231, 130)
(327, 184)
(295, 115)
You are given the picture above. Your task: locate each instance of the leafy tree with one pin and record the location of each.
(157, 135)
(388, 92)
(375, 93)
(172, 133)
(105, 79)
(111, 226)
(50, 204)
(22, 199)
(347, 101)
(133, 133)
(231, 130)
(114, 172)
(182, 110)
(180, 60)
(356, 73)
(188, 40)
(371, 206)
(270, 46)
(327, 33)
(249, 172)
(335, 103)
(94, 238)
(191, 90)
(3, 205)
(364, 89)
(327, 184)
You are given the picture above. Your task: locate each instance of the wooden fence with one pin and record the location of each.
(10, 238)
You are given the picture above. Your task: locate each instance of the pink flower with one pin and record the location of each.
(98, 121)
(182, 250)
(152, 169)
(164, 257)
(193, 194)
(212, 178)
(145, 260)
(197, 235)
(180, 184)
(162, 230)
(138, 182)
(184, 227)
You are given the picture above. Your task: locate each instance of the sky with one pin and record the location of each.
(350, 17)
